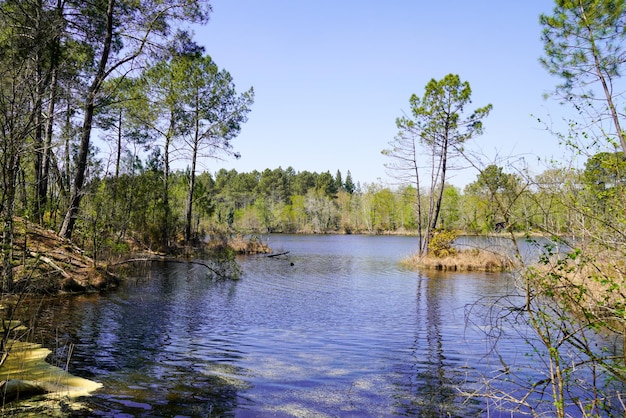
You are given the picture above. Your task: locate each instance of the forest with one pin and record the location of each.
(287, 201)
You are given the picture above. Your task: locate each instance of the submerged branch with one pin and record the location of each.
(216, 271)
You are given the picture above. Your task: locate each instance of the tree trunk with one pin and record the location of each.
(605, 87)
(10, 169)
(418, 203)
(67, 178)
(192, 183)
(81, 166)
(118, 156)
(167, 213)
(444, 163)
(165, 224)
(44, 125)
(192, 175)
(42, 190)
(38, 140)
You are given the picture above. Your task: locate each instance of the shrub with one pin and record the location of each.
(441, 243)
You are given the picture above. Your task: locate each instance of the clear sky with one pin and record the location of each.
(331, 76)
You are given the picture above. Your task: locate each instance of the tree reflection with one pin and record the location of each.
(429, 387)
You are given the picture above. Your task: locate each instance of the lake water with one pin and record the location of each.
(334, 328)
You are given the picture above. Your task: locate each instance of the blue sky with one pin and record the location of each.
(331, 77)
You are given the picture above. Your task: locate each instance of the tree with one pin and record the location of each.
(274, 185)
(326, 185)
(321, 210)
(23, 47)
(166, 120)
(450, 207)
(498, 192)
(349, 184)
(605, 184)
(120, 33)
(124, 107)
(338, 181)
(439, 128)
(405, 167)
(214, 113)
(121, 117)
(605, 171)
(303, 181)
(584, 46)
(552, 212)
(36, 28)
(576, 290)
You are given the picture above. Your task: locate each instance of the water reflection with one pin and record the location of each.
(335, 328)
(435, 387)
(430, 388)
(153, 347)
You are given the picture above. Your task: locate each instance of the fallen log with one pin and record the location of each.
(277, 254)
(51, 263)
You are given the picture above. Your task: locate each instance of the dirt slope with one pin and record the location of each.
(45, 262)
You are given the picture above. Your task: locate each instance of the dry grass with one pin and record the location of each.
(243, 245)
(465, 260)
(595, 283)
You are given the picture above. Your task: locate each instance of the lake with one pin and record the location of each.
(336, 327)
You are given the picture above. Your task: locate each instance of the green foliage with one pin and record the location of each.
(349, 184)
(575, 299)
(605, 180)
(585, 288)
(497, 195)
(438, 113)
(584, 46)
(326, 185)
(450, 208)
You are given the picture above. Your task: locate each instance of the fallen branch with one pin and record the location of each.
(167, 260)
(277, 254)
(71, 260)
(136, 260)
(51, 263)
(200, 263)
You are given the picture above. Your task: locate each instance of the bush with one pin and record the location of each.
(441, 243)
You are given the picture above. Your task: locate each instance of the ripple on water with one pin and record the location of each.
(342, 331)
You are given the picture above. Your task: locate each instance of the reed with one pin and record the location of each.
(461, 260)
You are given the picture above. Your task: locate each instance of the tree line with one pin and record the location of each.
(289, 201)
(283, 200)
